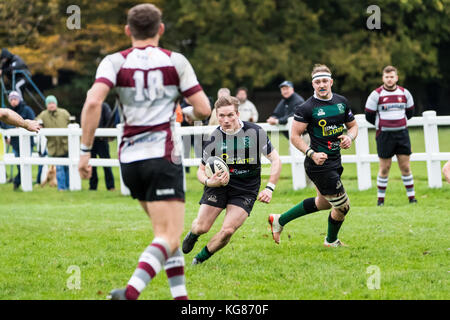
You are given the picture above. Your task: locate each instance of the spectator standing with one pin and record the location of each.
(56, 117)
(286, 107)
(247, 110)
(19, 106)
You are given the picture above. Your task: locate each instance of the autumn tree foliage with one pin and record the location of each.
(246, 42)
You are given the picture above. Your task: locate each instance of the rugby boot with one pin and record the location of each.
(334, 244)
(189, 242)
(117, 294)
(275, 227)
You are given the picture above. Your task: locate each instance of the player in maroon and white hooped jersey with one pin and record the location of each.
(148, 80)
(388, 108)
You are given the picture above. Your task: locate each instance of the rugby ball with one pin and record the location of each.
(215, 164)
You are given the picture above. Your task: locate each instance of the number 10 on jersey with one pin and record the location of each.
(155, 85)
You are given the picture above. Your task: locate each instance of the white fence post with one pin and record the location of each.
(123, 188)
(297, 168)
(430, 131)
(179, 147)
(2, 155)
(26, 178)
(74, 156)
(362, 152)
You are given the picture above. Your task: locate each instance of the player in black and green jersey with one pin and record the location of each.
(326, 116)
(241, 145)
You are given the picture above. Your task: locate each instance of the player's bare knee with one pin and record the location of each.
(405, 171)
(199, 227)
(322, 203)
(226, 233)
(384, 172)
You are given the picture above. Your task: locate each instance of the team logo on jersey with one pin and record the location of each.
(321, 112)
(333, 145)
(330, 130)
(341, 108)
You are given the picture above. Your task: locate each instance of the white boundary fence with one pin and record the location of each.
(429, 121)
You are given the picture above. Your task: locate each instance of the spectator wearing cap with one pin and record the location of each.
(56, 117)
(247, 110)
(19, 106)
(286, 106)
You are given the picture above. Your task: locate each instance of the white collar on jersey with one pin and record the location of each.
(315, 96)
(233, 133)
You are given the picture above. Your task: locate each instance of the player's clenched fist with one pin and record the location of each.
(319, 158)
(84, 168)
(265, 196)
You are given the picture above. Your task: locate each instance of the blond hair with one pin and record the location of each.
(320, 68)
(227, 101)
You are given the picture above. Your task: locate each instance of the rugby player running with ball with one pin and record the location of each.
(240, 144)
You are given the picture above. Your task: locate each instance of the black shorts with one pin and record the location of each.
(390, 143)
(154, 180)
(222, 196)
(328, 182)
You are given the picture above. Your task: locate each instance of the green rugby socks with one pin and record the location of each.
(203, 255)
(333, 229)
(305, 207)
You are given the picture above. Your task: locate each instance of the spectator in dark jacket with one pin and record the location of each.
(19, 106)
(101, 148)
(286, 107)
(10, 62)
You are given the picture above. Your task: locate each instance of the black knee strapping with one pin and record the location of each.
(345, 210)
(310, 205)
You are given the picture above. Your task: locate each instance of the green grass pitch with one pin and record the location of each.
(80, 245)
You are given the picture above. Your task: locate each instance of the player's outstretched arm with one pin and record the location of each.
(200, 102)
(265, 195)
(13, 118)
(298, 128)
(90, 117)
